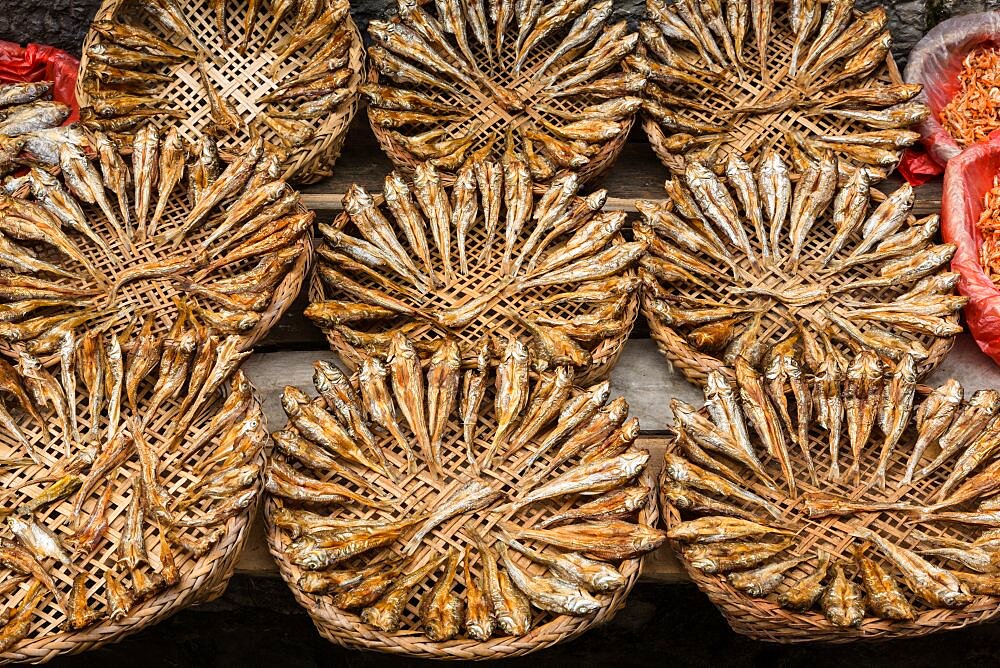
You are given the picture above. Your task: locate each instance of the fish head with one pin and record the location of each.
(985, 401)
(402, 348)
(629, 430)
(634, 462)
(292, 400)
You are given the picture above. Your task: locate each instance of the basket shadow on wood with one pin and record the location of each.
(489, 120)
(241, 79)
(202, 577)
(764, 618)
(414, 493)
(753, 132)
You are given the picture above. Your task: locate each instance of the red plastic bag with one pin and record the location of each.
(936, 61)
(37, 62)
(966, 181)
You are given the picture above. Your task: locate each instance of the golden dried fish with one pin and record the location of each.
(714, 529)
(932, 584)
(173, 154)
(386, 614)
(933, 419)
(145, 149)
(843, 601)
(982, 408)
(548, 593)
(875, 96)
(320, 427)
(897, 117)
(473, 391)
(895, 413)
(763, 580)
(862, 399)
(479, 619)
(472, 496)
(442, 612)
(408, 387)
(587, 479)
(437, 209)
(762, 415)
(512, 391)
(40, 540)
(20, 619)
(805, 593)
(731, 555)
(761, 17)
(614, 504)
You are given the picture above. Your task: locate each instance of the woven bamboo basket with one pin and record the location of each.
(499, 318)
(779, 319)
(421, 491)
(764, 618)
(243, 79)
(489, 120)
(202, 578)
(158, 295)
(753, 131)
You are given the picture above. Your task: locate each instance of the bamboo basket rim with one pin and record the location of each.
(488, 115)
(305, 164)
(764, 619)
(751, 135)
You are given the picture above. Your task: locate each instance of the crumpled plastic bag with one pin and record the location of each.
(936, 61)
(966, 181)
(37, 62)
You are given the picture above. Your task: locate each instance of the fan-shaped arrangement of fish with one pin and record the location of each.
(130, 482)
(285, 69)
(454, 81)
(117, 242)
(464, 506)
(739, 262)
(851, 504)
(799, 77)
(549, 269)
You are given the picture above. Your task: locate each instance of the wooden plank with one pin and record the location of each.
(637, 174)
(641, 376)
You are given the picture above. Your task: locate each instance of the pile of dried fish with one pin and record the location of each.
(109, 456)
(755, 470)
(74, 246)
(821, 87)
(555, 271)
(449, 83)
(30, 122)
(736, 263)
(409, 464)
(134, 62)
